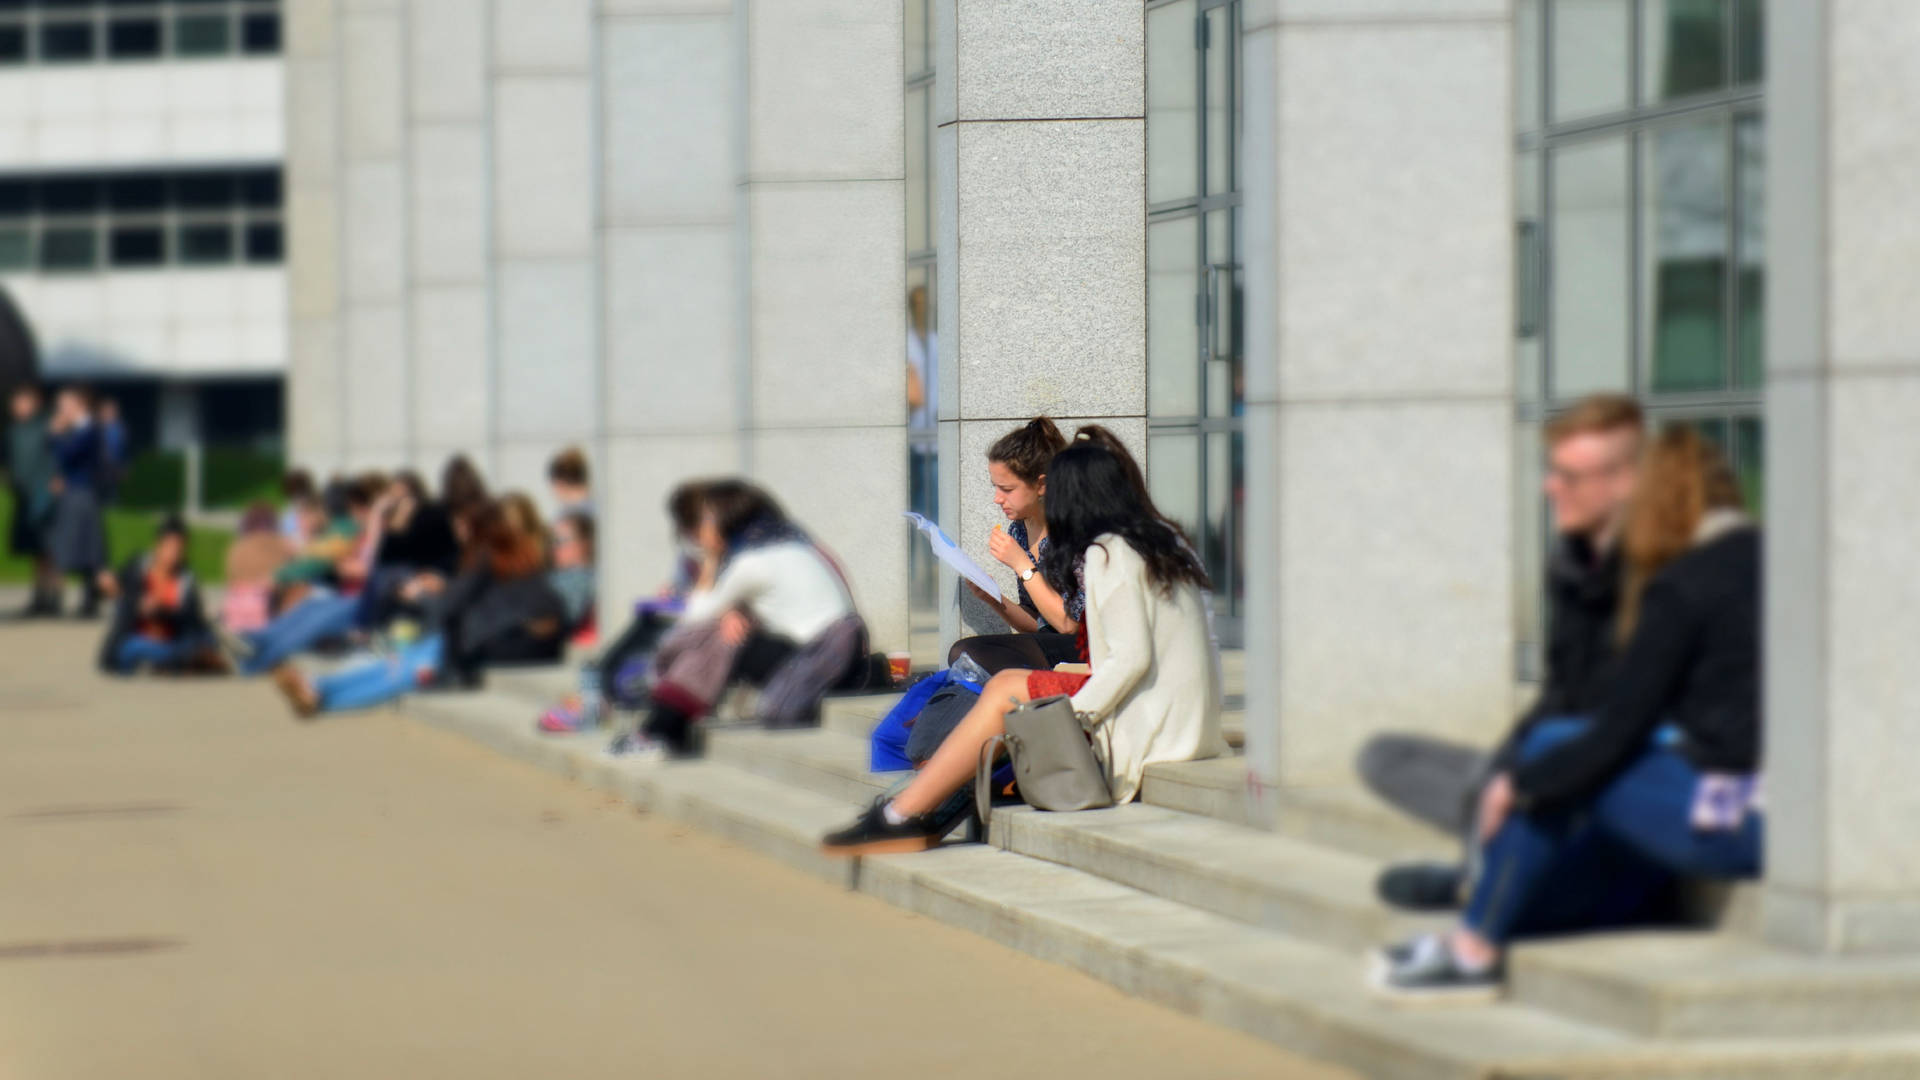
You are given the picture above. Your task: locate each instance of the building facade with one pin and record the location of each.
(1327, 265)
(141, 228)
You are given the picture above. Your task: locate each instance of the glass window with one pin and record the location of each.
(1221, 545)
(1750, 462)
(202, 35)
(13, 45)
(1526, 74)
(1173, 104)
(1173, 342)
(16, 198)
(70, 195)
(206, 244)
(260, 34)
(260, 188)
(66, 42)
(147, 191)
(142, 245)
(1750, 296)
(67, 249)
(1529, 549)
(1529, 266)
(1221, 296)
(1590, 317)
(1685, 48)
(133, 39)
(1590, 57)
(919, 175)
(1750, 52)
(1222, 98)
(1173, 473)
(16, 248)
(204, 191)
(264, 243)
(1684, 248)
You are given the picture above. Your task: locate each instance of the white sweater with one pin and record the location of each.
(788, 588)
(1155, 693)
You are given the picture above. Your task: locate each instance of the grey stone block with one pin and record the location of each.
(1022, 60)
(1050, 269)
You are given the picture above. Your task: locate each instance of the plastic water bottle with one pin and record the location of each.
(591, 707)
(967, 670)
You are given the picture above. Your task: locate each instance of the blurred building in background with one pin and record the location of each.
(141, 207)
(1327, 265)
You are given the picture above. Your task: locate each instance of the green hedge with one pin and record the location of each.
(129, 531)
(230, 478)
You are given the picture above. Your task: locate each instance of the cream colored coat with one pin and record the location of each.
(1155, 693)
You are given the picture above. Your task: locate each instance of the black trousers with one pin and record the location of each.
(1015, 652)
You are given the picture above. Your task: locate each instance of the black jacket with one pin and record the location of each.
(1693, 661)
(1583, 598)
(189, 620)
(521, 618)
(427, 543)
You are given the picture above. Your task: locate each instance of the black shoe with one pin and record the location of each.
(1426, 970)
(873, 834)
(1422, 886)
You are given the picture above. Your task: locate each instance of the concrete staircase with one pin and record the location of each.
(1176, 899)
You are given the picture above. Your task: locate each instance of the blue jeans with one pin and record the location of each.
(376, 682)
(1586, 866)
(311, 622)
(137, 651)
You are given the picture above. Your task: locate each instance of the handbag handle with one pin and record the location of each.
(983, 779)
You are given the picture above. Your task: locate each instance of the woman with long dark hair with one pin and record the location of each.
(1154, 692)
(1665, 776)
(770, 608)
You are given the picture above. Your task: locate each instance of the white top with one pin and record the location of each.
(1155, 688)
(788, 588)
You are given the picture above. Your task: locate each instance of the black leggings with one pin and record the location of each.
(754, 663)
(1017, 652)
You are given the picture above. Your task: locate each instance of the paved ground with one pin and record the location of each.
(196, 886)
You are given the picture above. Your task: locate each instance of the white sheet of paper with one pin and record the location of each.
(949, 552)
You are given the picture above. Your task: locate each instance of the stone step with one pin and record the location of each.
(1306, 996)
(1348, 819)
(817, 760)
(1693, 984)
(1254, 877)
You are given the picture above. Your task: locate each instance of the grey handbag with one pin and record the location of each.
(1052, 761)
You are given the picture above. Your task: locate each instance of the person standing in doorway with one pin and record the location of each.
(78, 537)
(30, 475)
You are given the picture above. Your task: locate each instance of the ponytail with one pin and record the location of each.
(1027, 450)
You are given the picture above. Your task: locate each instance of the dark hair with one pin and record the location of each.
(583, 528)
(259, 517)
(297, 484)
(684, 506)
(1136, 477)
(171, 525)
(362, 490)
(735, 504)
(1090, 495)
(569, 466)
(415, 484)
(461, 488)
(495, 545)
(1027, 449)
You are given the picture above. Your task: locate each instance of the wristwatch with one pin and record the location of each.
(1027, 574)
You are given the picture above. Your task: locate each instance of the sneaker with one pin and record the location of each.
(872, 834)
(1421, 886)
(237, 648)
(633, 746)
(298, 692)
(1426, 969)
